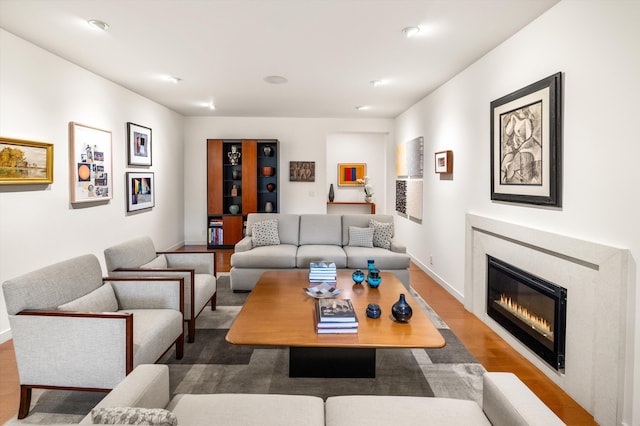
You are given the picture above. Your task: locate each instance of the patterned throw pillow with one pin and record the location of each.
(360, 237)
(133, 416)
(382, 233)
(265, 233)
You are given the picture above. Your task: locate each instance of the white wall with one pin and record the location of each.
(39, 95)
(301, 139)
(594, 44)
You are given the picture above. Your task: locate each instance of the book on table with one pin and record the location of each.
(335, 316)
(322, 271)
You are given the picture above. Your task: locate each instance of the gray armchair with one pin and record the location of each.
(138, 257)
(73, 329)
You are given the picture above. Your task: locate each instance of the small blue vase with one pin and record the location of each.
(357, 276)
(373, 278)
(401, 310)
(370, 264)
(373, 310)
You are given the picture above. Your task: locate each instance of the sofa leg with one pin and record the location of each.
(214, 301)
(25, 401)
(180, 347)
(191, 326)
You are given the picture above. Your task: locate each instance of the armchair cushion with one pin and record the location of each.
(265, 233)
(360, 237)
(133, 416)
(382, 233)
(102, 299)
(159, 262)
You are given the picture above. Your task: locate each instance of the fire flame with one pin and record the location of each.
(537, 323)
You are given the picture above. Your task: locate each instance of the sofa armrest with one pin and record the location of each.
(397, 247)
(201, 262)
(508, 401)
(243, 245)
(146, 387)
(149, 292)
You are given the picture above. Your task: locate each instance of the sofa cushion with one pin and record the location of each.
(321, 229)
(282, 256)
(310, 253)
(384, 259)
(159, 262)
(102, 299)
(153, 332)
(248, 409)
(265, 233)
(133, 416)
(361, 237)
(382, 233)
(288, 225)
(362, 221)
(409, 410)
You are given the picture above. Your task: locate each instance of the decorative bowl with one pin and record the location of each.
(373, 310)
(268, 171)
(234, 209)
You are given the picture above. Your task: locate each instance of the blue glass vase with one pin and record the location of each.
(357, 276)
(401, 310)
(373, 278)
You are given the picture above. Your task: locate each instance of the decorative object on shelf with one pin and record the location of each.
(271, 186)
(236, 174)
(234, 209)
(234, 191)
(90, 172)
(234, 155)
(267, 150)
(302, 171)
(368, 188)
(526, 144)
(331, 193)
(370, 264)
(401, 310)
(140, 191)
(373, 278)
(27, 162)
(444, 162)
(268, 171)
(349, 173)
(268, 207)
(357, 276)
(373, 310)
(139, 138)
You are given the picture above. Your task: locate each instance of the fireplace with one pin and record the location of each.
(532, 309)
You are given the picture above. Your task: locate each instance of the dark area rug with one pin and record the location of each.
(211, 365)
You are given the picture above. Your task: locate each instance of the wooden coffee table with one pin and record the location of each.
(279, 313)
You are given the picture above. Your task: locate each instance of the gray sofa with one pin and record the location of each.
(307, 237)
(506, 401)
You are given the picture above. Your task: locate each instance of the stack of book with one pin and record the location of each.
(335, 316)
(322, 271)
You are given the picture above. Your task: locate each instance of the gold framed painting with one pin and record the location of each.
(351, 174)
(25, 162)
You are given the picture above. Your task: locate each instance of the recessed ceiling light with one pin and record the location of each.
(362, 107)
(99, 25)
(276, 79)
(376, 83)
(211, 106)
(174, 80)
(410, 31)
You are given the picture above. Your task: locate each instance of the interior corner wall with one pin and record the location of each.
(300, 139)
(40, 94)
(593, 43)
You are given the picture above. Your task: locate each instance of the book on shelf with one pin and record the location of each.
(335, 310)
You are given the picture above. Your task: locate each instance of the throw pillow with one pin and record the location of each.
(382, 233)
(360, 237)
(102, 299)
(133, 416)
(159, 262)
(265, 233)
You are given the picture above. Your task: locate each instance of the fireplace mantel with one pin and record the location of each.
(596, 279)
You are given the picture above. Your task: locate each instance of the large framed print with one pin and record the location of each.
(90, 160)
(139, 145)
(526, 144)
(25, 162)
(140, 191)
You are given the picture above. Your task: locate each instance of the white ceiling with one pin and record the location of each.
(329, 50)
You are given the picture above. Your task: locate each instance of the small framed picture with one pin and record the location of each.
(139, 145)
(302, 171)
(351, 174)
(444, 161)
(140, 191)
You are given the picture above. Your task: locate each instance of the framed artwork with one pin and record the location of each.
(90, 161)
(526, 144)
(444, 162)
(302, 171)
(25, 162)
(349, 173)
(140, 191)
(139, 144)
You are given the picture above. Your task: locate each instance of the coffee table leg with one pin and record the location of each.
(332, 362)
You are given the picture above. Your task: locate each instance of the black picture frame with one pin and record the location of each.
(526, 144)
(139, 145)
(141, 193)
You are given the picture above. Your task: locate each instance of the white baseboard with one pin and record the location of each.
(455, 293)
(5, 335)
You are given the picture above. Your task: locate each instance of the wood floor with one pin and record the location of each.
(493, 352)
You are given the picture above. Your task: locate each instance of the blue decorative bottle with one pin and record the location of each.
(401, 310)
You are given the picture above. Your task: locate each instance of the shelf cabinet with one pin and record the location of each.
(242, 178)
